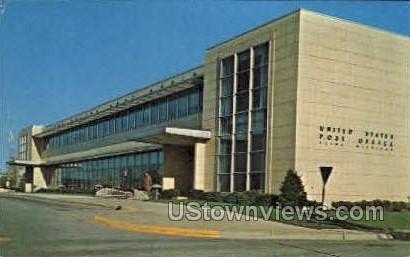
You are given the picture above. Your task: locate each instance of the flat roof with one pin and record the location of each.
(308, 11)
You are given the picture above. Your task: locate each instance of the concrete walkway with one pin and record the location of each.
(152, 217)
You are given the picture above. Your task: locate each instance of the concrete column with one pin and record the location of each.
(199, 166)
(39, 181)
(43, 177)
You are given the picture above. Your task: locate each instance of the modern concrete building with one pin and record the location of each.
(301, 92)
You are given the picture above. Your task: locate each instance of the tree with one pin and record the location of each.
(3, 179)
(11, 175)
(292, 191)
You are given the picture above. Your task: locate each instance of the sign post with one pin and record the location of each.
(325, 172)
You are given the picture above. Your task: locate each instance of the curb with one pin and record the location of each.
(54, 201)
(174, 231)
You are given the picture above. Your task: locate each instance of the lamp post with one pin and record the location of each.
(325, 172)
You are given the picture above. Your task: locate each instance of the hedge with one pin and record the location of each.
(66, 191)
(240, 198)
(386, 204)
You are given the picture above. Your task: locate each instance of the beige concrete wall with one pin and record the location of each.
(352, 77)
(282, 103)
(39, 180)
(35, 146)
(283, 35)
(45, 177)
(199, 166)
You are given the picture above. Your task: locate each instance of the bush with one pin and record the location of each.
(244, 198)
(292, 191)
(195, 194)
(170, 194)
(241, 198)
(67, 191)
(230, 198)
(266, 199)
(211, 197)
(398, 206)
(386, 204)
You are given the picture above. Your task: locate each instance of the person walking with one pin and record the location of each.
(147, 184)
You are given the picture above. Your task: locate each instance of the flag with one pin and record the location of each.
(11, 136)
(2, 6)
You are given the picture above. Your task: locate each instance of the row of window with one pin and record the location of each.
(125, 172)
(256, 181)
(258, 123)
(242, 120)
(23, 147)
(162, 110)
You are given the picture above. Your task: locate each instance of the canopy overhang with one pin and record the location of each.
(173, 136)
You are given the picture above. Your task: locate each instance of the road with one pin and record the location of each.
(32, 229)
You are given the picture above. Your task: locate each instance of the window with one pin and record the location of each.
(239, 182)
(260, 77)
(183, 106)
(132, 119)
(193, 100)
(225, 126)
(224, 182)
(258, 141)
(258, 161)
(261, 55)
(224, 164)
(118, 124)
(124, 117)
(228, 66)
(89, 132)
(259, 98)
(226, 106)
(227, 86)
(247, 164)
(242, 102)
(173, 108)
(154, 113)
(241, 143)
(243, 82)
(167, 108)
(240, 162)
(163, 110)
(243, 61)
(139, 117)
(146, 115)
(100, 129)
(241, 124)
(258, 120)
(225, 146)
(257, 181)
(23, 146)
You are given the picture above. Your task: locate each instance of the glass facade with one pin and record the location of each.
(169, 108)
(23, 144)
(242, 120)
(124, 171)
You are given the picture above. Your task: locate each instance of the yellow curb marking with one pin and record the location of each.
(4, 239)
(157, 229)
(129, 209)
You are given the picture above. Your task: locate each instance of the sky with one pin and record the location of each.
(62, 57)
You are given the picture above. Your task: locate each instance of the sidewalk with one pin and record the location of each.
(152, 217)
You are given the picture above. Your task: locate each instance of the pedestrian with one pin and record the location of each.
(147, 185)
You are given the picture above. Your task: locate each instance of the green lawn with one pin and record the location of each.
(392, 220)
